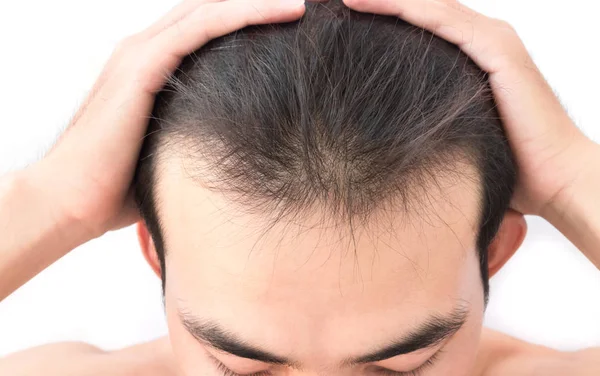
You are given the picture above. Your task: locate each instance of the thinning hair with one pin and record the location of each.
(347, 111)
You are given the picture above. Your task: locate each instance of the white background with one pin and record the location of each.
(104, 293)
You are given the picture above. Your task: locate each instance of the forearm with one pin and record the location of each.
(34, 231)
(576, 213)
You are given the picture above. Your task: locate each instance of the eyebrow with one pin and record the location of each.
(430, 333)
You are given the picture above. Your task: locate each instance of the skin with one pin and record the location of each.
(320, 301)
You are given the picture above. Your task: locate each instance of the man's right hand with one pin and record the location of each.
(81, 189)
(90, 168)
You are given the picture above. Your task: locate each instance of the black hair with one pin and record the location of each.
(345, 110)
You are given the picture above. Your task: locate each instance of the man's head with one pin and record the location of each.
(328, 196)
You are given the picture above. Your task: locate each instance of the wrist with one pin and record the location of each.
(42, 185)
(582, 189)
(575, 210)
(36, 233)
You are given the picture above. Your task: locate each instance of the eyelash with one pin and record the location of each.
(383, 372)
(417, 372)
(227, 372)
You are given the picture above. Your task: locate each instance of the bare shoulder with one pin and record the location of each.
(501, 354)
(55, 359)
(81, 359)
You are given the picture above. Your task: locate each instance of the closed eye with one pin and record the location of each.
(378, 371)
(227, 372)
(416, 372)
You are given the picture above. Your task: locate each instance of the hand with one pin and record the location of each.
(87, 174)
(552, 154)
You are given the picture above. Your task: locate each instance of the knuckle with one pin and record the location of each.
(504, 25)
(209, 11)
(138, 68)
(120, 48)
(505, 33)
(123, 44)
(121, 60)
(10, 183)
(126, 43)
(126, 54)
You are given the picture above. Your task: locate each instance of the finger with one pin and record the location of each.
(484, 39)
(209, 19)
(165, 51)
(212, 20)
(174, 15)
(147, 66)
(522, 94)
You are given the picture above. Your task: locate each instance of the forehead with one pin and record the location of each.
(305, 274)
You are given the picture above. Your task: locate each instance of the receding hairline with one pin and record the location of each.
(425, 198)
(409, 199)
